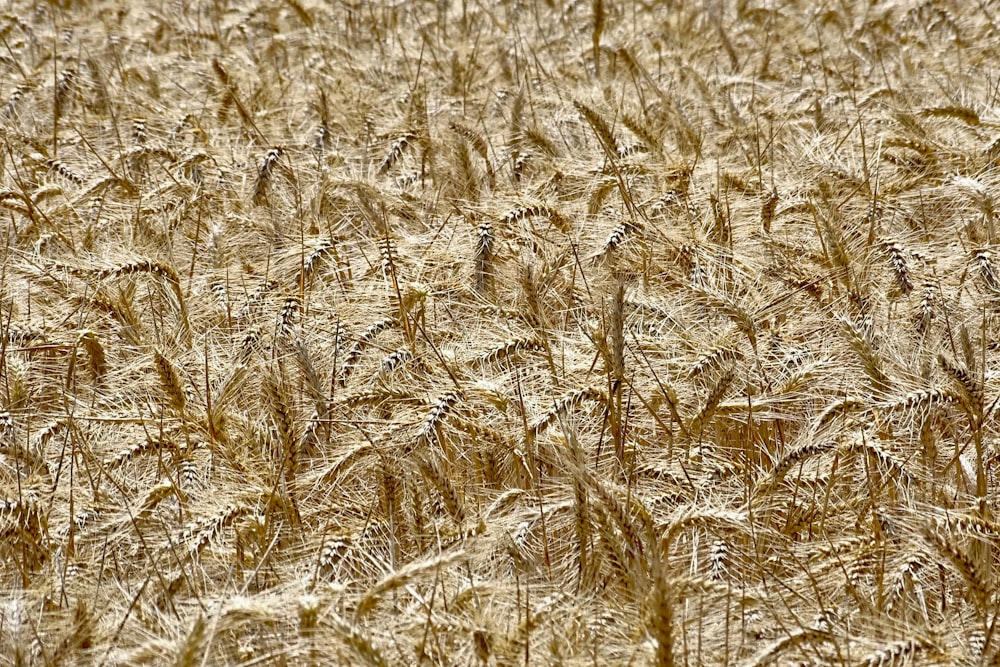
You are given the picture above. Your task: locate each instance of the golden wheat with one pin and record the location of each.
(499, 334)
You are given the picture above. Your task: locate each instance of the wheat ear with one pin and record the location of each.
(404, 576)
(170, 381)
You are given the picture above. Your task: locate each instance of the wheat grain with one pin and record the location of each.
(430, 431)
(898, 653)
(170, 381)
(321, 249)
(196, 535)
(404, 575)
(566, 403)
(95, 352)
(511, 348)
(129, 453)
(475, 139)
(603, 131)
(191, 646)
(799, 456)
(694, 518)
(284, 423)
(354, 354)
(969, 388)
(527, 213)
(453, 502)
(871, 361)
(697, 423)
(399, 145)
(897, 260)
(803, 636)
(264, 172)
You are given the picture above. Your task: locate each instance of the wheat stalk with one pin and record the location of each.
(405, 575)
(484, 255)
(355, 352)
(453, 502)
(564, 404)
(899, 652)
(170, 381)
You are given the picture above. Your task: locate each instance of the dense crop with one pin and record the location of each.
(460, 333)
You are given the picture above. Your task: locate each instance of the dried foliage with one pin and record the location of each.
(513, 333)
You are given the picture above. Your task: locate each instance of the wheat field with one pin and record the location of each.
(527, 333)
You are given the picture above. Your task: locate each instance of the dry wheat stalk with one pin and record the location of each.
(899, 652)
(431, 470)
(897, 261)
(871, 361)
(170, 381)
(404, 576)
(601, 128)
(95, 352)
(283, 419)
(430, 431)
(566, 403)
(354, 354)
(399, 145)
(484, 255)
(511, 349)
(970, 390)
(196, 535)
